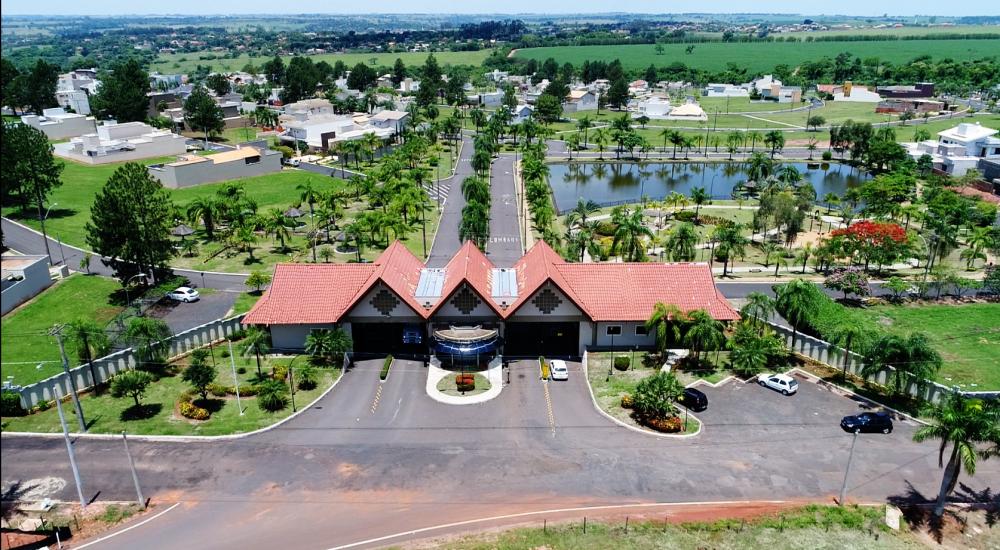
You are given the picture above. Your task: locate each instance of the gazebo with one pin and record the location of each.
(182, 231)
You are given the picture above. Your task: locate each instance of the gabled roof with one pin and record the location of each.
(536, 267)
(471, 266)
(309, 294)
(399, 270)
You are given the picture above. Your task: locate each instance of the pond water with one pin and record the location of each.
(617, 183)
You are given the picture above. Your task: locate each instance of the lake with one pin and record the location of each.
(616, 183)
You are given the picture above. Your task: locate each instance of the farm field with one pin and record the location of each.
(761, 57)
(186, 62)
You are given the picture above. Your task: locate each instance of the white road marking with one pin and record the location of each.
(130, 527)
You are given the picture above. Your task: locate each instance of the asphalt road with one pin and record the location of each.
(372, 459)
(183, 316)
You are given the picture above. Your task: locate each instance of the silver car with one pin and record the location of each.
(559, 370)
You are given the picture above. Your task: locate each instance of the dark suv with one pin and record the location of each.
(694, 400)
(868, 422)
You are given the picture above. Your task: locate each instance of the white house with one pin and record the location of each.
(856, 94)
(409, 85)
(958, 149)
(73, 90)
(58, 124)
(655, 107)
(580, 100)
(113, 142)
(303, 109)
(725, 90)
(320, 132)
(520, 113)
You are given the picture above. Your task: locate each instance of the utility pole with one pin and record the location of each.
(69, 449)
(847, 472)
(135, 476)
(90, 361)
(291, 385)
(57, 332)
(236, 381)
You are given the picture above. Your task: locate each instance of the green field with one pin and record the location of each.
(172, 63)
(966, 336)
(25, 344)
(762, 57)
(903, 31)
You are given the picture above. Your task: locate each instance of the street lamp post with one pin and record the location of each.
(45, 237)
(128, 300)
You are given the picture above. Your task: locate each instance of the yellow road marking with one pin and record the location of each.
(378, 395)
(548, 406)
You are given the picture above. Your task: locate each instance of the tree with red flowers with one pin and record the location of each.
(879, 242)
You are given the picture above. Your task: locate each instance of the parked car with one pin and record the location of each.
(867, 422)
(292, 162)
(779, 382)
(694, 399)
(184, 294)
(558, 370)
(412, 334)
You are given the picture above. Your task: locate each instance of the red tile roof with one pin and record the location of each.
(310, 293)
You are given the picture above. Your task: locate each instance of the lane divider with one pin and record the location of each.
(378, 396)
(548, 406)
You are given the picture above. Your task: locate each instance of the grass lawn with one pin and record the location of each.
(104, 413)
(967, 336)
(852, 528)
(245, 301)
(26, 343)
(762, 56)
(186, 62)
(448, 387)
(609, 390)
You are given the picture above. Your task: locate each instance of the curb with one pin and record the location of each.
(844, 391)
(472, 400)
(180, 438)
(636, 429)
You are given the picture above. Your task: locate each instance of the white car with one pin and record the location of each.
(184, 294)
(558, 370)
(779, 382)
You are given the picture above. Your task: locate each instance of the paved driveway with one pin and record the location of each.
(183, 316)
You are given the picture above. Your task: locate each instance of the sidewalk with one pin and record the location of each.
(435, 374)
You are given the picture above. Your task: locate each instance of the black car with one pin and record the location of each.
(868, 422)
(694, 400)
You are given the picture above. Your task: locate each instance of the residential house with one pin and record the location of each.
(542, 305)
(497, 76)
(637, 87)
(912, 106)
(725, 90)
(113, 142)
(959, 149)
(390, 119)
(56, 123)
(857, 94)
(521, 113)
(580, 100)
(159, 81)
(73, 90)
(408, 85)
(22, 278)
(490, 100)
(689, 111)
(655, 107)
(242, 162)
(916, 91)
(306, 108)
(322, 131)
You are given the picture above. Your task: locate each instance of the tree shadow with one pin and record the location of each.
(918, 511)
(985, 500)
(144, 411)
(251, 261)
(211, 405)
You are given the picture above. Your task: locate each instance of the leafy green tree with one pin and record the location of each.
(897, 285)
(275, 71)
(815, 121)
(28, 172)
(38, 86)
(548, 109)
(430, 82)
(203, 114)
(326, 346)
(130, 222)
(775, 139)
(199, 373)
(628, 239)
(362, 77)
(752, 350)
(618, 93)
(699, 196)
(10, 84)
(758, 309)
(218, 83)
(972, 428)
(122, 95)
(703, 333)
(258, 279)
(655, 395)
(399, 72)
(131, 383)
(301, 79)
(732, 243)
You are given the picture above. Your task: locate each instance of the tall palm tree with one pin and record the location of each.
(207, 210)
(276, 225)
(754, 137)
(309, 195)
(581, 212)
(758, 309)
(732, 243)
(848, 332)
(676, 139)
(795, 302)
(601, 139)
(629, 234)
(91, 342)
(733, 141)
(759, 167)
(584, 124)
(680, 243)
(775, 139)
(256, 341)
(699, 196)
(245, 237)
(665, 323)
(972, 428)
(906, 358)
(703, 333)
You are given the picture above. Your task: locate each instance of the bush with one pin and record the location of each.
(10, 404)
(218, 390)
(684, 216)
(671, 424)
(385, 368)
(606, 228)
(827, 155)
(627, 402)
(240, 370)
(622, 362)
(654, 395)
(306, 378)
(272, 396)
(192, 411)
(280, 372)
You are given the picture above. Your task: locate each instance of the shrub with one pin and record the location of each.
(43, 406)
(827, 155)
(627, 402)
(280, 372)
(247, 390)
(192, 411)
(306, 378)
(654, 395)
(684, 216)
(10, 404)
(272, 396)
(606, 228)
(131, 383)
(385, 368)
(671, 424)
(622, 362)
(240, 370)
(225, 354)
(218, 390)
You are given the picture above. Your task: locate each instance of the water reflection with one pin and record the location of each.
(607, 183)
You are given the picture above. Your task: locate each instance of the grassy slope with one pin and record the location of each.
(24, 330)
(966, 336)
(171, 63)
(758, 57)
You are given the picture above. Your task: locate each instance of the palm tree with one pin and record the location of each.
(309, 195)
(847, 332)
(699, 196)
(256, 341)
(972, 428)
(572, 144)
(90, 341)
(769, 248)
(628, 236)
(795, 302)
(665, 323)
(703, 333)
(680, 244)
(245, 237)
(355, 232)
(910, 357)
(144, 334)
(754, 136)
(759, 308)
(207, 210)
(584, 239)
(775, 139)
(759, 167)
(676, 139)
(779, 262)
(732, 243)
(733, 141)
(581, 212)
(372, 142)
(276, 225)
(666, 134)
(804, 254)
(831, 199)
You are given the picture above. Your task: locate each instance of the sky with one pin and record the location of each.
(840, 7)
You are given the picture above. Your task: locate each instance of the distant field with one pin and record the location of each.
(758, 57)
(172, 63)
(904, 31)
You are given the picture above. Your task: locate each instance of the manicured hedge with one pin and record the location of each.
(826, 315)
(622, 362)
(385, 368)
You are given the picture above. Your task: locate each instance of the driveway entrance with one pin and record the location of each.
(535, 339)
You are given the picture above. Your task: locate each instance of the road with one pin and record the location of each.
(371, 459)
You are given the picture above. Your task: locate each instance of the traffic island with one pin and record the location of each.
(458, 388)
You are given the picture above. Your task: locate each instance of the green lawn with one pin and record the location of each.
(104, 413)
(245, 301)
(763, 56)
(448, 386)
(25, 340)
(851, 528)
(186, 62)
(967, 336)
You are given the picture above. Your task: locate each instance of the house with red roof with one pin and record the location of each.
(542, 305)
